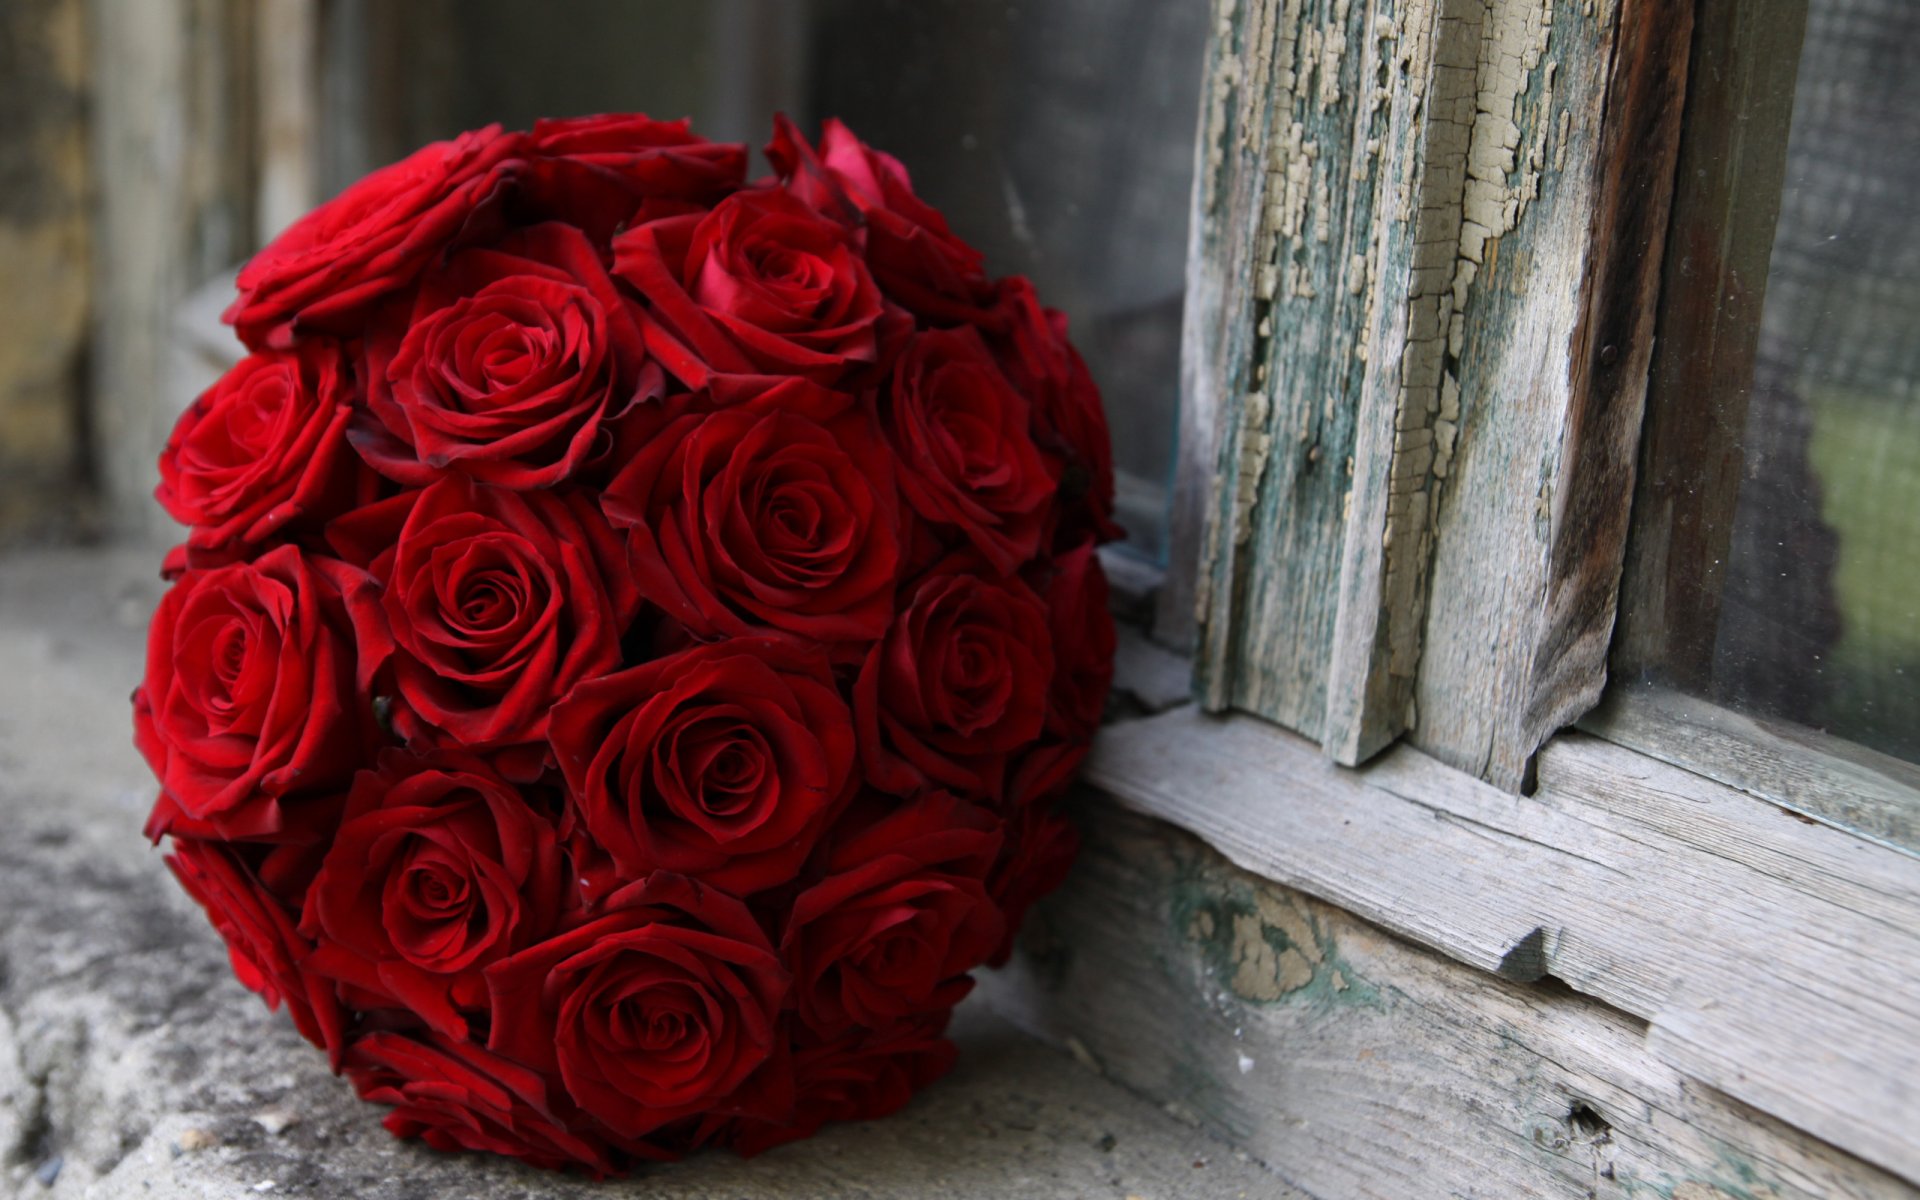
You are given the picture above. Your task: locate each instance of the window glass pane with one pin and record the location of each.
(1818, 616)
(1056, 135)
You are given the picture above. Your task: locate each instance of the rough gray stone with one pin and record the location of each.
(133, 1065)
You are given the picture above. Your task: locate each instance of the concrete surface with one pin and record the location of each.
(133, 1065)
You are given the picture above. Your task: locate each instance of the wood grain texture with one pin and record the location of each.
(1732, 162)
(1550, 356)
(1428, 238)
(1357, 1065)
(1823, 777)
(1295, 175)
(1724, 923)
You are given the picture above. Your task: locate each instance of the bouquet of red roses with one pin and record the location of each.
(634, 627)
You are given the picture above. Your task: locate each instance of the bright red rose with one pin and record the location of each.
(440, 868)
(249, 695)
(331, 265)
(1083, 643)
(919, 262)
(967, 457)
(761, 285)
(453, 1095)
(901, 917)
(1068, 420)
(516, 356)
(482, 606)
(860, 1075)
(780, 513)
(650, 164)
(723, 762)
(667, 1006)
(263, 448)
(267, 951)
(959, 682)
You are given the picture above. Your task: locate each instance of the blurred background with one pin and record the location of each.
(148, 146)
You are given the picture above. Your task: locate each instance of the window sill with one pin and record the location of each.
(1774, 960)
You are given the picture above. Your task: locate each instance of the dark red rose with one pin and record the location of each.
(516, 356)
(860, 1075)
(1068, 420)
(959, 682)
(263, 448)
(331, 265)
(967, 457)
(779, 513)
(249, 695)
(651, 163)
(482, 607)
(453, 1095)
(723, 761)
(761, 285)
(284, 859)
(665, 1007)
(913, 254)
(267, 951)
(440, 868)
(1083, 643)
(901, 917)
(1040, 848)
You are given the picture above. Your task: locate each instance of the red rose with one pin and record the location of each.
(483, 606)
(1040, 848)
(860, 1075)
(967, 458)
(760, 285)
(515, 357)
(284, 859)
(262, 448)
(440, 868)
(605, 174)
(778, 513)
(958, 683)
(372, 239)
(723, 761)
(1083, 643)
(249, 694)
(913, 254)
(900, 919)
(666, 1006)
(453, 1095)
(1068, 420)
(267, 952)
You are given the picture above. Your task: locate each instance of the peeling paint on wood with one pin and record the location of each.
(1394, 1072)
(1775, 960)
(1402, 273)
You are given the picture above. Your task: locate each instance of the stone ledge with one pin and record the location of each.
(133, 1065)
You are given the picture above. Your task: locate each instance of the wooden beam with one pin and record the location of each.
(1722, 922)
(1357, 1065)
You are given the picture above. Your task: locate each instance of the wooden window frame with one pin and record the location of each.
(1774, 959)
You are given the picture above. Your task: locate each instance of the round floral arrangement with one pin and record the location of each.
(635, 625)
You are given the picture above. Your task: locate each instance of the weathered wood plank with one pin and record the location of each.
(1549, 340)
(1732, 161)
(1823, 777)
(1357, 1065)
(1296, 178)
(1657, 891)
(1428, 238)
